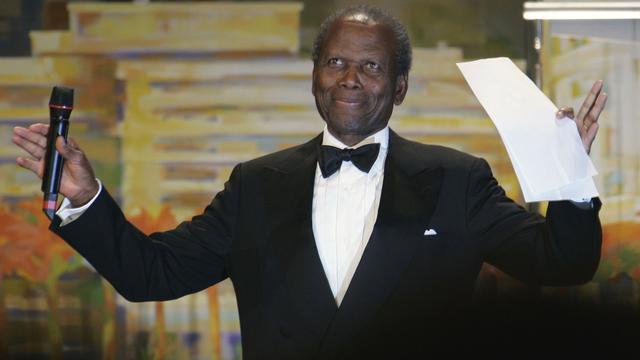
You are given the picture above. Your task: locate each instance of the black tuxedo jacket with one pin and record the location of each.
(408, 287)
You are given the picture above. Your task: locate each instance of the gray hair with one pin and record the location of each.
(371, 14)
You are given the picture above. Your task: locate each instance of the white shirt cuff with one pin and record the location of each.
(69, 214)
(584, 203)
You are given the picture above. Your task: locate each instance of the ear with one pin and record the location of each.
(313, 80)
(402, 84)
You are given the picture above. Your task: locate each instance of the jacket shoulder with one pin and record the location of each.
(438, 155)
(284, 158)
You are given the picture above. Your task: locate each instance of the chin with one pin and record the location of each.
(349, 125)
(350, 130)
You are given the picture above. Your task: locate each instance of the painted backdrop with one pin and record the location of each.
(170, 96)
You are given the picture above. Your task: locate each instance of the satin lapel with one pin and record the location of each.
(407, 203)
(289, 194)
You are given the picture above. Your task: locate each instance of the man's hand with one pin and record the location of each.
(78, 183)
(587, 119)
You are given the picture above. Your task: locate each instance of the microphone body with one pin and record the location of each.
(60, 107)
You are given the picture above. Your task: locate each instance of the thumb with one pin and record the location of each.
(72, 142)
(65, 149)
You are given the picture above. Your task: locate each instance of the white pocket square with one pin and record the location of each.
(430, 232)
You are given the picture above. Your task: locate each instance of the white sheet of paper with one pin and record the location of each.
(546, 153)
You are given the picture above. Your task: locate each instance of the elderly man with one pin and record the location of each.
(358, 242)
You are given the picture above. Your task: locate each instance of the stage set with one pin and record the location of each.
(170, 96)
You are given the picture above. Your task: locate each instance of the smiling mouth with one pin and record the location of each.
(349, 102)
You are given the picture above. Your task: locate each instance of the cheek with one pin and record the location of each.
(382, 95)
(321, 89)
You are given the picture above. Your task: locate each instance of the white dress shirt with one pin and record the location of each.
(345, 208)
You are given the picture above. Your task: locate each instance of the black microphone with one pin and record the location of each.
(60, 107)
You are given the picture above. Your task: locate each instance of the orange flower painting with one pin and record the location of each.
(27, 247)
(149, 224)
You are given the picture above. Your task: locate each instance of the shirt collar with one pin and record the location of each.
(381, 137)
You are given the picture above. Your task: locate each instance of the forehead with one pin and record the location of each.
(352, 36)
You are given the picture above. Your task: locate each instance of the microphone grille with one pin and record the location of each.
(61, 96)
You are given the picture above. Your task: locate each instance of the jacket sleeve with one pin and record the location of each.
(561, 249)
(163, 265)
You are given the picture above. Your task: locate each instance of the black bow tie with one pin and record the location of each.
(330, 158)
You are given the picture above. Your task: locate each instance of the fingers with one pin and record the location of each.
(588, 126)
(565, 112)
(590, 100)
(40, 128)
(590, 136)
(30, 164)
(587, 118)
(32, 142)
(593, 115)
(36, 135)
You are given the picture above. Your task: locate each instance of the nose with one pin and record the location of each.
(350, 78)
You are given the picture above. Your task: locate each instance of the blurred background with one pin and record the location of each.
(171, 95)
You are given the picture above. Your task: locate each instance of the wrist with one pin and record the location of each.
(86, 195)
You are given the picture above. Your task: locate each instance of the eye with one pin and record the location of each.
(371, 66)
(334, 62)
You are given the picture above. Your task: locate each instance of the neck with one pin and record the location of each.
(351, 140)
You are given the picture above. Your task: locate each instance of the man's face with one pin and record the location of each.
(355, 82)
